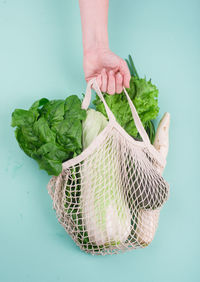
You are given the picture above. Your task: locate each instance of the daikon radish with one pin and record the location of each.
(148, 219)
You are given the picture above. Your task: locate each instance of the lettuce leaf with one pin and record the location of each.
(144, 96)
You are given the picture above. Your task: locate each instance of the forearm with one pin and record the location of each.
(94, 20)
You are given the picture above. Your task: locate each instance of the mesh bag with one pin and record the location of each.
(109, 197)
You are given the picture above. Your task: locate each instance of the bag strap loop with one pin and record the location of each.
(86, 102)
(87, 98)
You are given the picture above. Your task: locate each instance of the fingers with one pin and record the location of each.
(99, 81)
(124, 70)
(118, 83)
(112, 81)
(104, 81)
(127, 78)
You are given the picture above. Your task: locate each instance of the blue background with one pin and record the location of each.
(41, 56)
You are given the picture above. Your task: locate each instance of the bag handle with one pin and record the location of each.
(137, 120)
(86, 102)
(87, 98)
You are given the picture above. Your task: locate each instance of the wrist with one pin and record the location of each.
(97, 38)
(94, 20)
(95, 43)
(95, 48)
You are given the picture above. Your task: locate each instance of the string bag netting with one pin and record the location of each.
(109, 197)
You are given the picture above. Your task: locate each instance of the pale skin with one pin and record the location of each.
(99, 61)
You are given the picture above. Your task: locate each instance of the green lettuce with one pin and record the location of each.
(144, 96)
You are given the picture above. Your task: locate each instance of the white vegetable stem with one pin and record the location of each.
(148, 219)
(161, 142)
(106, 215)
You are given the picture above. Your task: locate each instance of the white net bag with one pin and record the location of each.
(109, 197)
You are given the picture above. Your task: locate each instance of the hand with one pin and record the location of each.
(111, 71)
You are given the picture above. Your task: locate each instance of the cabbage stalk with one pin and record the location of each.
(105, 213)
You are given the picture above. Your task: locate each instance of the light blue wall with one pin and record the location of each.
(41, 56)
